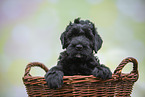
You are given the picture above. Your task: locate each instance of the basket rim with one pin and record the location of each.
(116, 76)
(81, 79)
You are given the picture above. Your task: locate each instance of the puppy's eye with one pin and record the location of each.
(89, 37)
(72, 34)
(88, 33)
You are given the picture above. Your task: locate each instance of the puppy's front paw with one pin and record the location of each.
(54, 79)
(103, 73)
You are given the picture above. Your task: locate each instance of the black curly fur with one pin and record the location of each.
(79, 39)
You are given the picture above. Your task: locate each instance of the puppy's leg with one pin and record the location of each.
(102, 72)
(54, 77)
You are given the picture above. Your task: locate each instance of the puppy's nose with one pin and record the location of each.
(79, 47)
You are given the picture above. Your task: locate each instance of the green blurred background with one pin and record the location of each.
(30, 31)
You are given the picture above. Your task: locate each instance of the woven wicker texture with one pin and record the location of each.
(119, 85)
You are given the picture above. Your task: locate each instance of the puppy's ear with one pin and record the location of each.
(97, 39)
(97, 42)
(62, 38)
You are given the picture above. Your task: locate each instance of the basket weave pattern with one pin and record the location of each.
(119, 85)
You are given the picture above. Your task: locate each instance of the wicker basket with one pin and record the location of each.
(119, 85)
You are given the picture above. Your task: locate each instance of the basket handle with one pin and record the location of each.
(33, 64)
(118, 70)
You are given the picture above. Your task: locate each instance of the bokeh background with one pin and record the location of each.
(30, 31)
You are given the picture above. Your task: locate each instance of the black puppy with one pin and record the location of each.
(80, 40)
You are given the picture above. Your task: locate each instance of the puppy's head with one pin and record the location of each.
(81, 38)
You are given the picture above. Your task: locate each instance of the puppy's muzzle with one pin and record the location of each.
(79, 47)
